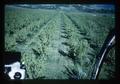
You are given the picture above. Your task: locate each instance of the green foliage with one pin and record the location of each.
(37, 34)
(94, 30)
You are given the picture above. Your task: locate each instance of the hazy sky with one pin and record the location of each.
(91, 6)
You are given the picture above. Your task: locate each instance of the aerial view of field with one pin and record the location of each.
(58, 43)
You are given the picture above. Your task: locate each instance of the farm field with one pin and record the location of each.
(55, 44)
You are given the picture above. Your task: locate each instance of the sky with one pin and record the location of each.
(102, 6)
(90, 6)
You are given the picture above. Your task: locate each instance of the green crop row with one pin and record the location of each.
(96, 29)
(22, 24)
(79, 49)
(39, 51)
